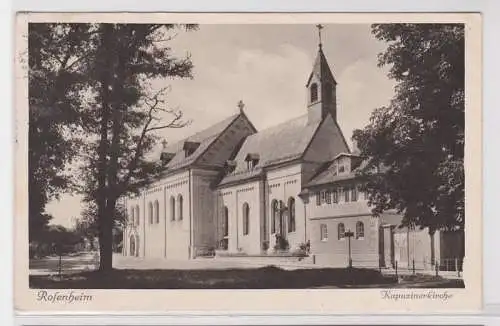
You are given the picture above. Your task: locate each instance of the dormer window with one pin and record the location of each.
(230, 166)
(314, 92)
(166, 157)
(189, 147)
(252, 160)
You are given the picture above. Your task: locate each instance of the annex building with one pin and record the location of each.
(236, 190)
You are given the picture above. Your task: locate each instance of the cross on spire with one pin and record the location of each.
(164, 144)
(241, 105)
(320, 27)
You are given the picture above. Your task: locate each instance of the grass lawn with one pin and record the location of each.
(260, 278)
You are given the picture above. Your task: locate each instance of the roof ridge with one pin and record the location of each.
(228, 119)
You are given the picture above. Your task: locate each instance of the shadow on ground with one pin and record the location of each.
(260, 278)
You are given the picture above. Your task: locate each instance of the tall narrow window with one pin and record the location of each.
(346, 195)
(172, 208)
(341, 231)
(318, 198)
(314, 92)
(179, 211)
(137, 215)
(291, 214)
(246, 219)
(335, 196)
(328, 196)
(323, 232)
(131, 217)
(226, 222)
(360, 230)
(274, 215)
(150, 212)
(354, 194)
(157, 212)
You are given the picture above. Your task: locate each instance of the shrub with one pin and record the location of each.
(281, 243)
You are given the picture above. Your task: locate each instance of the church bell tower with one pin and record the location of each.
(321, 88)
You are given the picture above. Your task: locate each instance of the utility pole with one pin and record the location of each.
(349, 234)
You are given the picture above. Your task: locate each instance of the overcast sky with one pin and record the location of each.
(266, 66)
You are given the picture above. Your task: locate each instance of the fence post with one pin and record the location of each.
(413, 265)
(456, 267)
(396, 265)
(60, 265)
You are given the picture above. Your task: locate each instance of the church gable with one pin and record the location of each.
(212, 146)
(227, 143)
(327, 143)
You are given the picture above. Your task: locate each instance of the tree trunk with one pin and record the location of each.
(104, 224)
(106, 239)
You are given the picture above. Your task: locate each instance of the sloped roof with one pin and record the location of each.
(278, 144)
(328, 174)
(321, 69)
(205, 138)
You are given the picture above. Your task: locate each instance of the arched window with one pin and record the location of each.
(131, 217)
(137, 215)
(179, 210)
(314, 92)
(246, 219)
(150, 212)
(291, 214)
(226, 221)
(323, 232)
(360, 230)
(172, 208)
(341, 231)
(157, 211)
(275, 215)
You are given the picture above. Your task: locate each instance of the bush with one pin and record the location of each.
(281, 243)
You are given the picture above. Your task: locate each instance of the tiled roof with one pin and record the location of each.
(328, 174)
(321, 69)
(205, 138)
(278, 144)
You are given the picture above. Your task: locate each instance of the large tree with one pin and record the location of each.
(57, 56)
(124, 113)
(415, 146)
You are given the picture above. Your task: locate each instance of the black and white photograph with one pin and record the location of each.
(316, 155)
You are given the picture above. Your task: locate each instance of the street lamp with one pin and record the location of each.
(349, 234)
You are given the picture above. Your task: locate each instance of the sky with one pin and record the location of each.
(266, 66)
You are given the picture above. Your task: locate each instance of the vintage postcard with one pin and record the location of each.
(291, 163)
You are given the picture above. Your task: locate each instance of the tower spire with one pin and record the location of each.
(320, 27)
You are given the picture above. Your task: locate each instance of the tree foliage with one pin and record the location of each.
(124, 112)
(56, 80)
(95, 81)
(415, 146)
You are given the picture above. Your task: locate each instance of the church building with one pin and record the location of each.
(231, 188)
